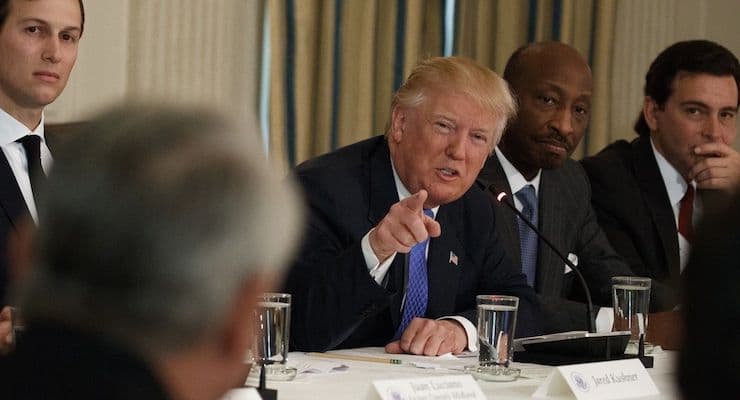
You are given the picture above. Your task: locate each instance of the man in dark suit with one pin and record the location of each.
(410, 191)
(38, 43)
(149, 265)
(648, 193)
(553, 85)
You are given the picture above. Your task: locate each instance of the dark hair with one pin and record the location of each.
(692, 56)
(5, 9)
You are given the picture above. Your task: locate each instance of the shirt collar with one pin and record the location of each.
(402, 191)
(11, 129)
(675, 184)
(515, 178)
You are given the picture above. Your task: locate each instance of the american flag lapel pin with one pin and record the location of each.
(453, 258)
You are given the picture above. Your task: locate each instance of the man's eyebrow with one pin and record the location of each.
(694, 103)
(46, 23)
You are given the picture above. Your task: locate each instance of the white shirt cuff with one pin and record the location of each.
(376, 269)
(605, 319)
(470, 331)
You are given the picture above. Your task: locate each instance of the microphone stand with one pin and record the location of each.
(501, 197)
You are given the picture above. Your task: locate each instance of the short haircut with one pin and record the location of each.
(460, 74)
(693, 57)
(5, 9)
(153, 219)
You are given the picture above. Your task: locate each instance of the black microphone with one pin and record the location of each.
(501, 197)
(569, 347)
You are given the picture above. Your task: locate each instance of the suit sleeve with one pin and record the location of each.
(332, 289)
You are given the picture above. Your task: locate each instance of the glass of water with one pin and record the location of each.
(631, 301)
(496, 325)
(272, 321)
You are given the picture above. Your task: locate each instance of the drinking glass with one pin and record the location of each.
(496, 325)
(272, 321)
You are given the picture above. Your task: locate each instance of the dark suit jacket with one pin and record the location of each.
(631, 202)
(565, 217)
(337, 304)
(52, 362)
(13, 208)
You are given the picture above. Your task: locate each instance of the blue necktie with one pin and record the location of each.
(527, 237)
(417, 287)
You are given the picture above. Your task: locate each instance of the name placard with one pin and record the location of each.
(619, 379)
(447, 387)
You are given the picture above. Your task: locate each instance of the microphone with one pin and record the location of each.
(569, 347)
(501, 197)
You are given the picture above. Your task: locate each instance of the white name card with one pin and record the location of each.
(447, 387)
(242, 394)
(620, 379)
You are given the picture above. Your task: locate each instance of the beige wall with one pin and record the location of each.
(182, 51)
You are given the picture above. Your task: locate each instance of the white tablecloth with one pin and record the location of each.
(355, 382)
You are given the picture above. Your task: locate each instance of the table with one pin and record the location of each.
(356, 381)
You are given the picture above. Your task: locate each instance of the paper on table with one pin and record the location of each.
(320, 367)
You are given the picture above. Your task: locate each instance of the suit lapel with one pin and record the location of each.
(382, 188)
(11, 199)
(656, 199)
(445, 260)
(549, 267)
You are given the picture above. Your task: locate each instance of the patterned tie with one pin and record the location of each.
(32, 146)
(417, 287)
(685, 214)
(527, 237)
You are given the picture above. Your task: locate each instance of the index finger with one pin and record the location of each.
(713, 149)
(415, 202)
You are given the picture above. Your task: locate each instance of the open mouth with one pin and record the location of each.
(448, 173)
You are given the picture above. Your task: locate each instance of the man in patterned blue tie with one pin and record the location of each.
(400, 241)
(553, 85)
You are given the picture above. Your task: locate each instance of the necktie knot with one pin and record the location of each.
(32, 147)
(528, 197)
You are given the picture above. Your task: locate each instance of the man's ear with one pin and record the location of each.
(22, 250)
(398, 124)
(649, 110)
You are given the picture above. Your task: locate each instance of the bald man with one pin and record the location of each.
(553, 85)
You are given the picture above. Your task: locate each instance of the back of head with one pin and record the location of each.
(691, 57)
(459, 74)
(152, 220)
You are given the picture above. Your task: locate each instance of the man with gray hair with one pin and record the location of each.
(161, 227)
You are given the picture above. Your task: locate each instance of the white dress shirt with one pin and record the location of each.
(10, 131)
(676, 187)
(378, 270)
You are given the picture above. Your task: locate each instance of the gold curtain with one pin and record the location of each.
(334, 66)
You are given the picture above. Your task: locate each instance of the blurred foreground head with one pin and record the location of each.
(159, 227)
